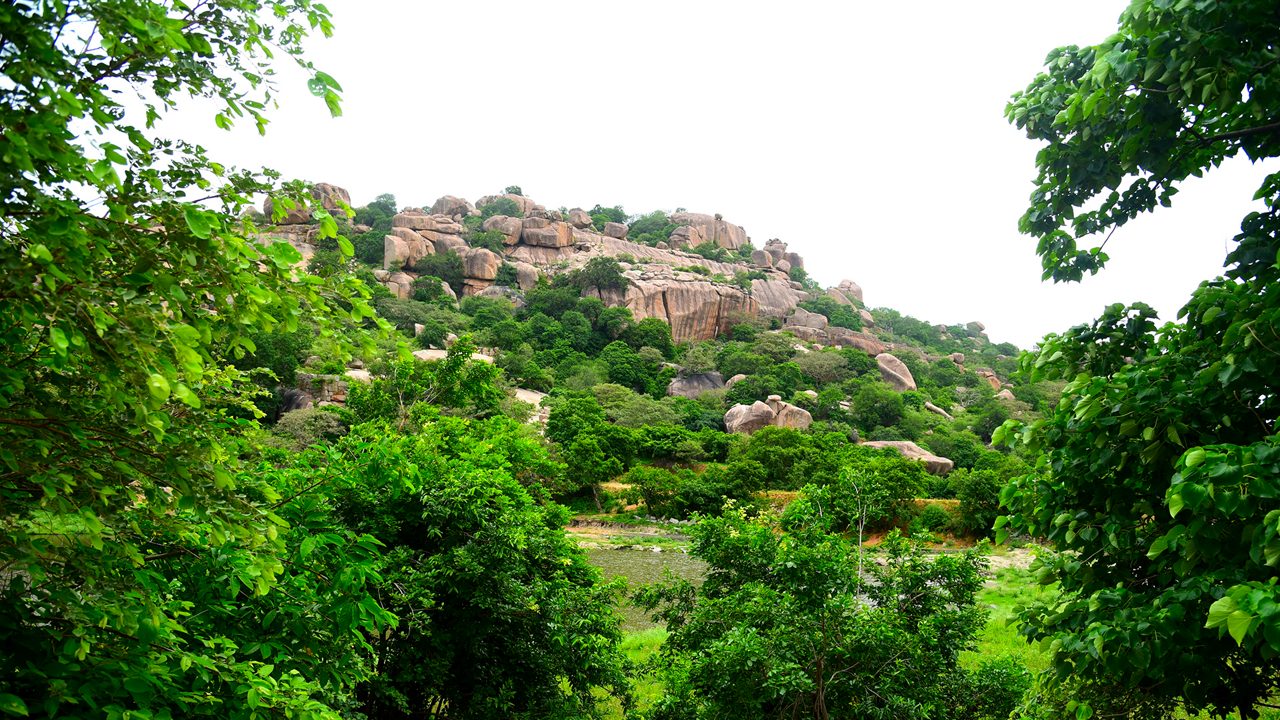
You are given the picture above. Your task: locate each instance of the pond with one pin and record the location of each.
(641, 567)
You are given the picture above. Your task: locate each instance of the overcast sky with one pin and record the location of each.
(868, 136)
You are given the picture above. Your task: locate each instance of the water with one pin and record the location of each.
(641, 567)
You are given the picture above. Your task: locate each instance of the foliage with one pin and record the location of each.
(651, 229)
(500, 614)
(500, 206)
(507, 275)
(1158, 467)
(513, 190)
(457, 381)
(601, 215)
(602, 273)
(785, 626)
(309, 426)
(447, 266)
(120, 307)
(836, 313)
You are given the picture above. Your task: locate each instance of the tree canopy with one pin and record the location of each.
(1159, 469)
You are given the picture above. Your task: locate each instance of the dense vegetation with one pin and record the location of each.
(207, 510)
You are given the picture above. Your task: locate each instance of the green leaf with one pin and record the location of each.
(345, 247)
(1238, 624)
(39, 252)
(1194, 457)
(158, 386)
(1208, 315)
(13, 705)
(197, 221)
(1220, 610)
(59, 340)
(1175, 504)
(184, 393)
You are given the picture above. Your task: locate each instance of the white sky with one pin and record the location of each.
(869, 136)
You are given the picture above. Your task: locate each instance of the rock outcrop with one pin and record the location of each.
(713, 229)
(748, 418)
(787, 415)
(541, 232)
(991, 379)
(510, 227)
(692, 386)
(454, 207)
(932, 463)
(895, 372)
(615, 230)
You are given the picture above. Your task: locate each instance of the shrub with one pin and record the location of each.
(514, 190)
(491, 240)
(501, 206)
(836, 313)
(447, 266)
(601, 215)
(932, 518)
(309, 426)
(507, 275)
(603, 273)
(651, 229)
(712, 251)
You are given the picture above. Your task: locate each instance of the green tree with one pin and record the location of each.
(1159, 467)
(785, 626)
(120, 307)
(500, 613)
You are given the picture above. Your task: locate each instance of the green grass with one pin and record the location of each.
(639, 647)
(1008, 588)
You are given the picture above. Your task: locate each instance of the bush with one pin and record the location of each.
(603, 273)
(501, 206)
(651, 229)
(932, 518)
(836, 313)
(979, 494)
(601, 215)
(309, 426)
(491, 240)
(507, 275)
(446, 266)
(513, 190)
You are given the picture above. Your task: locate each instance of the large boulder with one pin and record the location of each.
(481, 264)
(748, 418)
(933, 463)
(615, 230)
(761, 259)
(776, 248)
(422, 221)
(734, 380)
(579, 218)
(851, 290)
(400, 284)
(840, 297)
(804, 318)
(540, 232)
(686, 237)
(395, 253)
(845, 337)
(868, 319)
(787, 415)
(453, 207)
(526, 275)
(795, 260)
(714, 229)
(694, 385)
(895, 372)
(509, 227)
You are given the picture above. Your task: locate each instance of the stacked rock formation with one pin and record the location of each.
(750, 418)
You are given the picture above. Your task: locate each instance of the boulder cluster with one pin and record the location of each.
(750, 418)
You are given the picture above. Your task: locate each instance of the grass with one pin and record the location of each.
(1008, 588)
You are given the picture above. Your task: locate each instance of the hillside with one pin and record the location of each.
(661, 319)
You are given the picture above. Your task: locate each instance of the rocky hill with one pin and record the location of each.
(699, 297)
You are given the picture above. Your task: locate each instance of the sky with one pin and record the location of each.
(868, 136)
